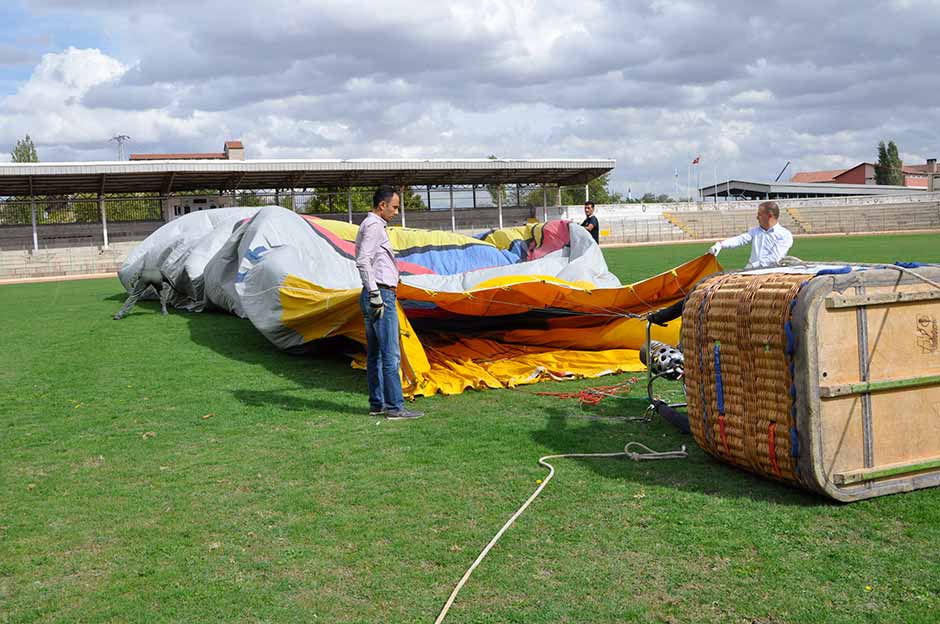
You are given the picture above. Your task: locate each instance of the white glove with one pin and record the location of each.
(377, 305)
(715, 249)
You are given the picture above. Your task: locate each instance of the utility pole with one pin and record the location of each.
(119, 139)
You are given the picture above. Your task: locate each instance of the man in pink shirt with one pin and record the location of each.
(375, 260)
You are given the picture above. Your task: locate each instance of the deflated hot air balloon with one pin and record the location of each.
(509, 307)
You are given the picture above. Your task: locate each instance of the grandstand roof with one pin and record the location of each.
(167, 176)
(785, 190)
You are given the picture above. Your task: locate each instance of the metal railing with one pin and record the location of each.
(63, 210)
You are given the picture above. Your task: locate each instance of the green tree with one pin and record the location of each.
(652, 198)
(24, 151)
(598, 190)
(889, 167)
(361, 200)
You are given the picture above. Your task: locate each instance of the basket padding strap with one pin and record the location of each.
(701, 360)
(790, 353)
(720, 397)
(719, 385)
(835, 271)
(791, 340)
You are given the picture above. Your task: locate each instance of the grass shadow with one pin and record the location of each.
(570, 429)
(324, 367)
(286, 402)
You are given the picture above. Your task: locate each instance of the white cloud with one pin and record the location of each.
(650, 84)
(752, 97)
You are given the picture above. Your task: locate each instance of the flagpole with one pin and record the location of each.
(698, 183)
(688, 183)
(716, 184)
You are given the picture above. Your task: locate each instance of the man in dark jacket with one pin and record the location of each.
(590, 222)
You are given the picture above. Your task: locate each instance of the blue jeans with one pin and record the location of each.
(384, 354)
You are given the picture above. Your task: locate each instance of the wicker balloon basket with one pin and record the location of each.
(825, 378)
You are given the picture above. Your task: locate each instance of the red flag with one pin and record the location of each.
(697, 158)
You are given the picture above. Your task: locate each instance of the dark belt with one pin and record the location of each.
(386, 287)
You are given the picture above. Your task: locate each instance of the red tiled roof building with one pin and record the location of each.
(234, 150)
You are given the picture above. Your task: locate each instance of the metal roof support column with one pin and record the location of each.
(104, 219)
(293, 201)
(473, 189)
(429, 196)
(277, 197)
(518, 196)
(499, 204)
(587, 193)
(401, 196)
(558, 195)
(545, 200)
(32, 204)
(453, 216)
(349, 202)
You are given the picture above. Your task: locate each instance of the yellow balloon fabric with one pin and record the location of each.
(585, 331)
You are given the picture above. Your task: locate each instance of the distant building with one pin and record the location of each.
(233, 150)
(915, 176)
(746, 189)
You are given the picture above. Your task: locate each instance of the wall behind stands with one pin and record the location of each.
(16, 237)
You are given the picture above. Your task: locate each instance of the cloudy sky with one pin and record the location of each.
(746, 85)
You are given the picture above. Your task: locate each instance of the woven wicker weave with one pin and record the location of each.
(743, 317)
(828, 379)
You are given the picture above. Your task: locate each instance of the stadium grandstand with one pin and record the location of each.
(72, 218)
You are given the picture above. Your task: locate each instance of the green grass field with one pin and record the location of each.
(181, 469)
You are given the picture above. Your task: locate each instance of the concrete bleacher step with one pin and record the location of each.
(17, 264)
(679, 223)
(639, 230)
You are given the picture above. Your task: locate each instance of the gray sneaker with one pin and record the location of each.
(402, 414)
(376, 412)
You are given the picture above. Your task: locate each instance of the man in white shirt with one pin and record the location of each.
(770, 242)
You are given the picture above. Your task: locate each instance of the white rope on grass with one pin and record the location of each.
(646, 454)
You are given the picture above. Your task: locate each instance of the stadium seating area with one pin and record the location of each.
(23, 264)
(882, 218)
(640, 230)
(713, 224)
